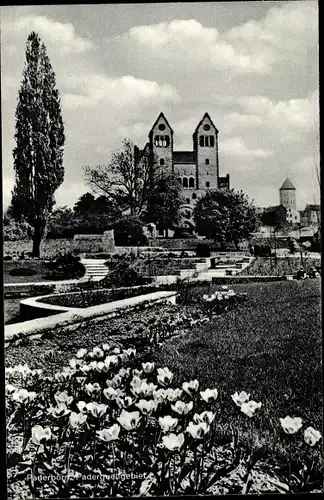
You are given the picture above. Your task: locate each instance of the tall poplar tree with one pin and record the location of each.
(38, 155)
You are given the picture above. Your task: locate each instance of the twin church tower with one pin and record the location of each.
(196, 170)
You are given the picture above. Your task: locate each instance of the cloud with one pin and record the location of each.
(189, 41)
(59, 34)
(9, 85)
(284, 33)
(235, 146)
(282, 28)
(121, 91)
(292, 120)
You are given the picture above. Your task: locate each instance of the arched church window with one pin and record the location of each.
(162, 161)
(180, 180)
(201, 141)
(185, 182)
(211, 141)
(207, 184)
(194, 196)
(207, 161)
(162, 141)
(187, 201)
(191, 182)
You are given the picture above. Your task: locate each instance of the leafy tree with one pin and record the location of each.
(124, 180)
(164, 202)
(88, 204)
(225, 215)
(13, 229)
(128, 231)
(84, 204)
(61, 223)
(38, 155)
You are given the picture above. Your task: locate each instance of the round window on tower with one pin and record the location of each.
(206, 126)
(161, 126)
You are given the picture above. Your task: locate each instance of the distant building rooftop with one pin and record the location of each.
(287, 185)
(316, 208)
(274, 209)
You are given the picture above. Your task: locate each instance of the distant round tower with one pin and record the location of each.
(287, 194)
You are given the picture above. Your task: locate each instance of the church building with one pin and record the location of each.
(196, 170)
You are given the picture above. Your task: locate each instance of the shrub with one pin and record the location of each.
(66, 266)
(23, 271)
(128, 231)
(121, 273)
(262, 251)
(202, 250)
(7, 257)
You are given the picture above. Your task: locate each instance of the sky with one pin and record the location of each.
(253, 66)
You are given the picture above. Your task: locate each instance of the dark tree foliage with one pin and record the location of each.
(164, 202)
(84, 204)
(226, 216)
(128, 231)
(13, 229)
(38, 155)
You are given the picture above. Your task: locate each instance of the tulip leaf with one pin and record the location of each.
(47, 466)
(257, 455)
(20, 474)
(14, 459)
(224, 471)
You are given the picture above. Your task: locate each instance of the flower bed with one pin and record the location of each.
(95, 297)
(211, 443)
(110, 424)
(164, 266)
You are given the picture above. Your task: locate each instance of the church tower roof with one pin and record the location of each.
(206, 115)
(161, 116)
(287, 185)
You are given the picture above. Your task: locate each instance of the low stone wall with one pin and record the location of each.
(176, 244)
(187, 243)
(31, 309)
(81, 243)
(50, 248)
(16, 290)
(37, 326)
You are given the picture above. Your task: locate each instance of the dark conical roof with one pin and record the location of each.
(287, 185)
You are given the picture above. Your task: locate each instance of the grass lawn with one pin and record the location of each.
(11, 310)
(271, 347)
(38, 267)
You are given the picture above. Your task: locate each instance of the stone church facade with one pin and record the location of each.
(196, 170)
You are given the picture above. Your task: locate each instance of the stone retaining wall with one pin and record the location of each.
(72, 317)
(16, 290)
